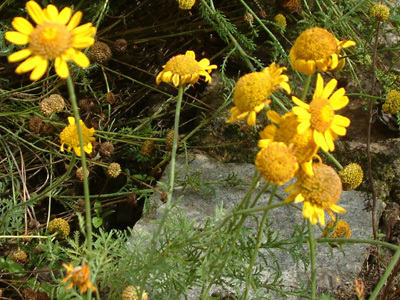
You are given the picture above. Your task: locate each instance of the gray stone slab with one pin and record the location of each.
(333, 265)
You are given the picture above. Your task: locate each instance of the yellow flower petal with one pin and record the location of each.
(319, 86)
(303, 126)
(320, 140)
(337, 209)
(191, 54)
(251, 120)
(39, 70)
(345, 44)
(83, 42)
(338, 100)
(300, 103)
(52, 12)
(35, 12)
(61, 67)
(274, 116)
(64, 16)
(75, 20)
(20, 55)
(341, 121)
(330, 86)
(329, 140)
(71, 120)
(28, 65)
(81, 59)
(22, 25)
(17, 38)
(338, 129)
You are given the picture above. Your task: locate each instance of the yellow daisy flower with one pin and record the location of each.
(70, 137)
(184, 68)
(276, 163)
(319, 192)
(79, 276)
(252, 91)
(57, 37)
(302, 145)
(320, 115)
(316, 48)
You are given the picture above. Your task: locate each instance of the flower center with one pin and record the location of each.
(182, 65)
(315, 44)
(321, 114)
(252, 90)
(324, 188)
(50, 40)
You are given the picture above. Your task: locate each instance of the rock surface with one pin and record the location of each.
(334, 266)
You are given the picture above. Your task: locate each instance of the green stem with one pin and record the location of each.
(86, 192)
(385, 276)
(312, 244)
(334, 160)
(358, 241)
(154, 239)
(306, 87)
(175, 144)
(258, 244)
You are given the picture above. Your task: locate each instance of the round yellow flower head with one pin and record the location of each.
(131, 293)
(70, 137)
(276, 163)
(184, 68)
(186, 4)
(351, 176)
(392, 103)
(380, 12)
(79, 276)
(320, 115)
(280, 20)
(57, 37)
(316, 48)
(252, 91)
(302, 145)
(337, 229)
(319, 192)
(59, 226)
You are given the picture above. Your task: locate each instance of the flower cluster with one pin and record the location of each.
(291, 142)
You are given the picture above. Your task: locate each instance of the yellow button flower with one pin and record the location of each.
(252, 91)
(316, 48)
(186, 4)
(320, 115)
(69, 136)
(276, 163)
(351, 176)
(184, 68)
(79, 276)
(285, 131)
(57, 36)
(319, 192)
(380, 12)
(392, 102)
